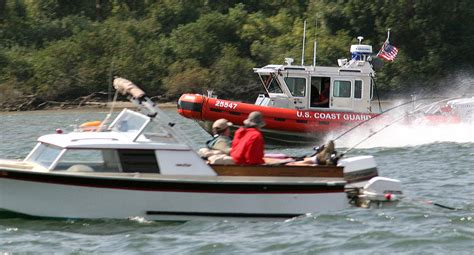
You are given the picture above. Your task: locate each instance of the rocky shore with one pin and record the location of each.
(32, 105)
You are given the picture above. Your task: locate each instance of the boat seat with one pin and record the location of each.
(80, 168)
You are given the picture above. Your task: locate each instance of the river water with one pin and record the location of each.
(435, 165)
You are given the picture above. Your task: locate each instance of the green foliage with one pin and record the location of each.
(186, 76)
(203, 40)
(169, 14)
(232, 75)
(272, 38)
(63, 49)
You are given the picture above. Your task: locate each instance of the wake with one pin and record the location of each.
(402, 135)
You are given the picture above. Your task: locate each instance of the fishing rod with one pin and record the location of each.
(317, 149)
(372, 134)
(390, 124)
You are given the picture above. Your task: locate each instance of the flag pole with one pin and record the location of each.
(386, 40)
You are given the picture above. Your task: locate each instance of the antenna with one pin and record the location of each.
(314, 53)
(304, 39)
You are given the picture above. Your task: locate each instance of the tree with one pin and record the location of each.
(232, 76)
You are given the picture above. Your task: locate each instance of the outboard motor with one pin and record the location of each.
(379, 191)
(359, 169)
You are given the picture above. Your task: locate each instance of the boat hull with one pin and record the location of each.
(167, 198)
(282, 125)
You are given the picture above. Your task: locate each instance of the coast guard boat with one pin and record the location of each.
(141, 166)
(290, 102)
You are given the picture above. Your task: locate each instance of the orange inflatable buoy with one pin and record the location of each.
(90, 126)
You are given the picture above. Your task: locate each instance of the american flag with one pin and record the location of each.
(388, 52)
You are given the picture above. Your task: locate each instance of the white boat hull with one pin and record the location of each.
(70, 201)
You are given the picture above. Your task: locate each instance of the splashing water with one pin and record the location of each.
(411, 124)
(401, 135)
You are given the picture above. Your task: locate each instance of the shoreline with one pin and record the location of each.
(91, 106)
(118, 106)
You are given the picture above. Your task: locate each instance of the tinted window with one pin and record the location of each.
(358, 89)
(342, 89)
(139, 161)
(371, 89)
(297, 86)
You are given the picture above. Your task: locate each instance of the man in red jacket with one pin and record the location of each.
(248, 144)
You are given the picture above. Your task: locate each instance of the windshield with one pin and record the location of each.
(270, 83)
(44, 154)
(130, 123)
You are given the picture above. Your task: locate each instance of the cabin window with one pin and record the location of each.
(45, 155)
(139, 161)
(342, 89)
(297, 86)
(271, 84)
(358, 89)
(96, 160)
(371, 90)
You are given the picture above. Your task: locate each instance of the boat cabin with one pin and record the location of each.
(123, 147)
(303, 87)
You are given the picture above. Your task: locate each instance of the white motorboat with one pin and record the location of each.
(447, 111)
(138, 166)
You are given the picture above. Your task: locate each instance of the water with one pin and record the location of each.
(435, 165)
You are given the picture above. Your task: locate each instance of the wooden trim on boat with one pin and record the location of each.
(279, 171)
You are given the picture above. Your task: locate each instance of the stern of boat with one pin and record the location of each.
(380, 192)
(365, 188)
(358, 170)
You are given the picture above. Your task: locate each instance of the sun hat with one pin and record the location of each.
(255, 119)
(220, 125)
